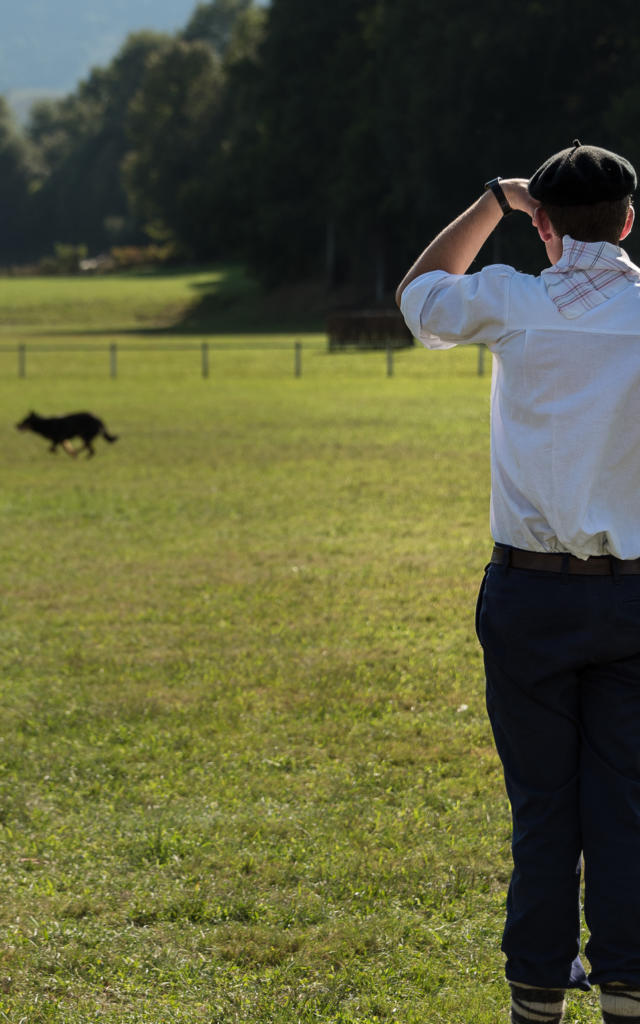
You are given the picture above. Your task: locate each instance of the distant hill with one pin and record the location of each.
(49, 45)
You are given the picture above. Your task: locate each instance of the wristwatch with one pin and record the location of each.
(496, 188)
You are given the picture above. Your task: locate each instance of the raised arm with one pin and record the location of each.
(455, 248)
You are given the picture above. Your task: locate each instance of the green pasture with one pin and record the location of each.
(120, 300)
(246, 775)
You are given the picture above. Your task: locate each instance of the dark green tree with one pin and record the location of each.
(189, 172)
(17, 171)
(171, 171)
(238, 153)
(81, 141)
(304, 103)
(215, 23)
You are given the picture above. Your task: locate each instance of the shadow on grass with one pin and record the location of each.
(234, 303)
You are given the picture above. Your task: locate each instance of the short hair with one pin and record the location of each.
(595, 222)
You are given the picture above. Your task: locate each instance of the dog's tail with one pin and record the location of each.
(107, 436)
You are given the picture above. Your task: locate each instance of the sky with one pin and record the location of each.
(48, 46)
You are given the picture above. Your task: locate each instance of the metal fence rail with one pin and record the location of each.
(113, 350)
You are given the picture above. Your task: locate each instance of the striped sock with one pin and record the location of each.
(620, 1005)
(530, 1005)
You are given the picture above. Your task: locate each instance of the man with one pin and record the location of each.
(559, 609)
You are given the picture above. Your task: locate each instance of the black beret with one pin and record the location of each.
(582, 175)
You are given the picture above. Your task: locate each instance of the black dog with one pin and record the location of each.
(60, 430)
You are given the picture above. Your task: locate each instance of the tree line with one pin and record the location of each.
(317, 140)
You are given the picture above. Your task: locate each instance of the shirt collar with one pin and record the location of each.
(587, 274)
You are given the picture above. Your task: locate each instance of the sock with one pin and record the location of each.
(620, 1004)
(530, 1005)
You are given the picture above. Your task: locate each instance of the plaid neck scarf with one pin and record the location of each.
(587, 274)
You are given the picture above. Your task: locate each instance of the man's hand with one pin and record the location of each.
(516, 191)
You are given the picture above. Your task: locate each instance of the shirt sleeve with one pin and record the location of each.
(442, 310)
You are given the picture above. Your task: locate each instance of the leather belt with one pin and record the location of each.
(543, 561)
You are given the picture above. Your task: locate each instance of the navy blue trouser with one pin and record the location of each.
(562, 662)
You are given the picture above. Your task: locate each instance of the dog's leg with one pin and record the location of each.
(86, 446)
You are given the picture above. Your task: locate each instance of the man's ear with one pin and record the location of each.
(628, 224)
(543, 224)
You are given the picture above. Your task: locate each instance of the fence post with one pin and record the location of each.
(297, 348)
(389, 359)
(205, 358)
(480, 360)
(22, 360)
(113, 359)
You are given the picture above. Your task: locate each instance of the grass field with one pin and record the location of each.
(245, 769)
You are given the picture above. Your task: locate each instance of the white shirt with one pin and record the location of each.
(565, 394)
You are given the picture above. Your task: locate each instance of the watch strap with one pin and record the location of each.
(498, 192)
